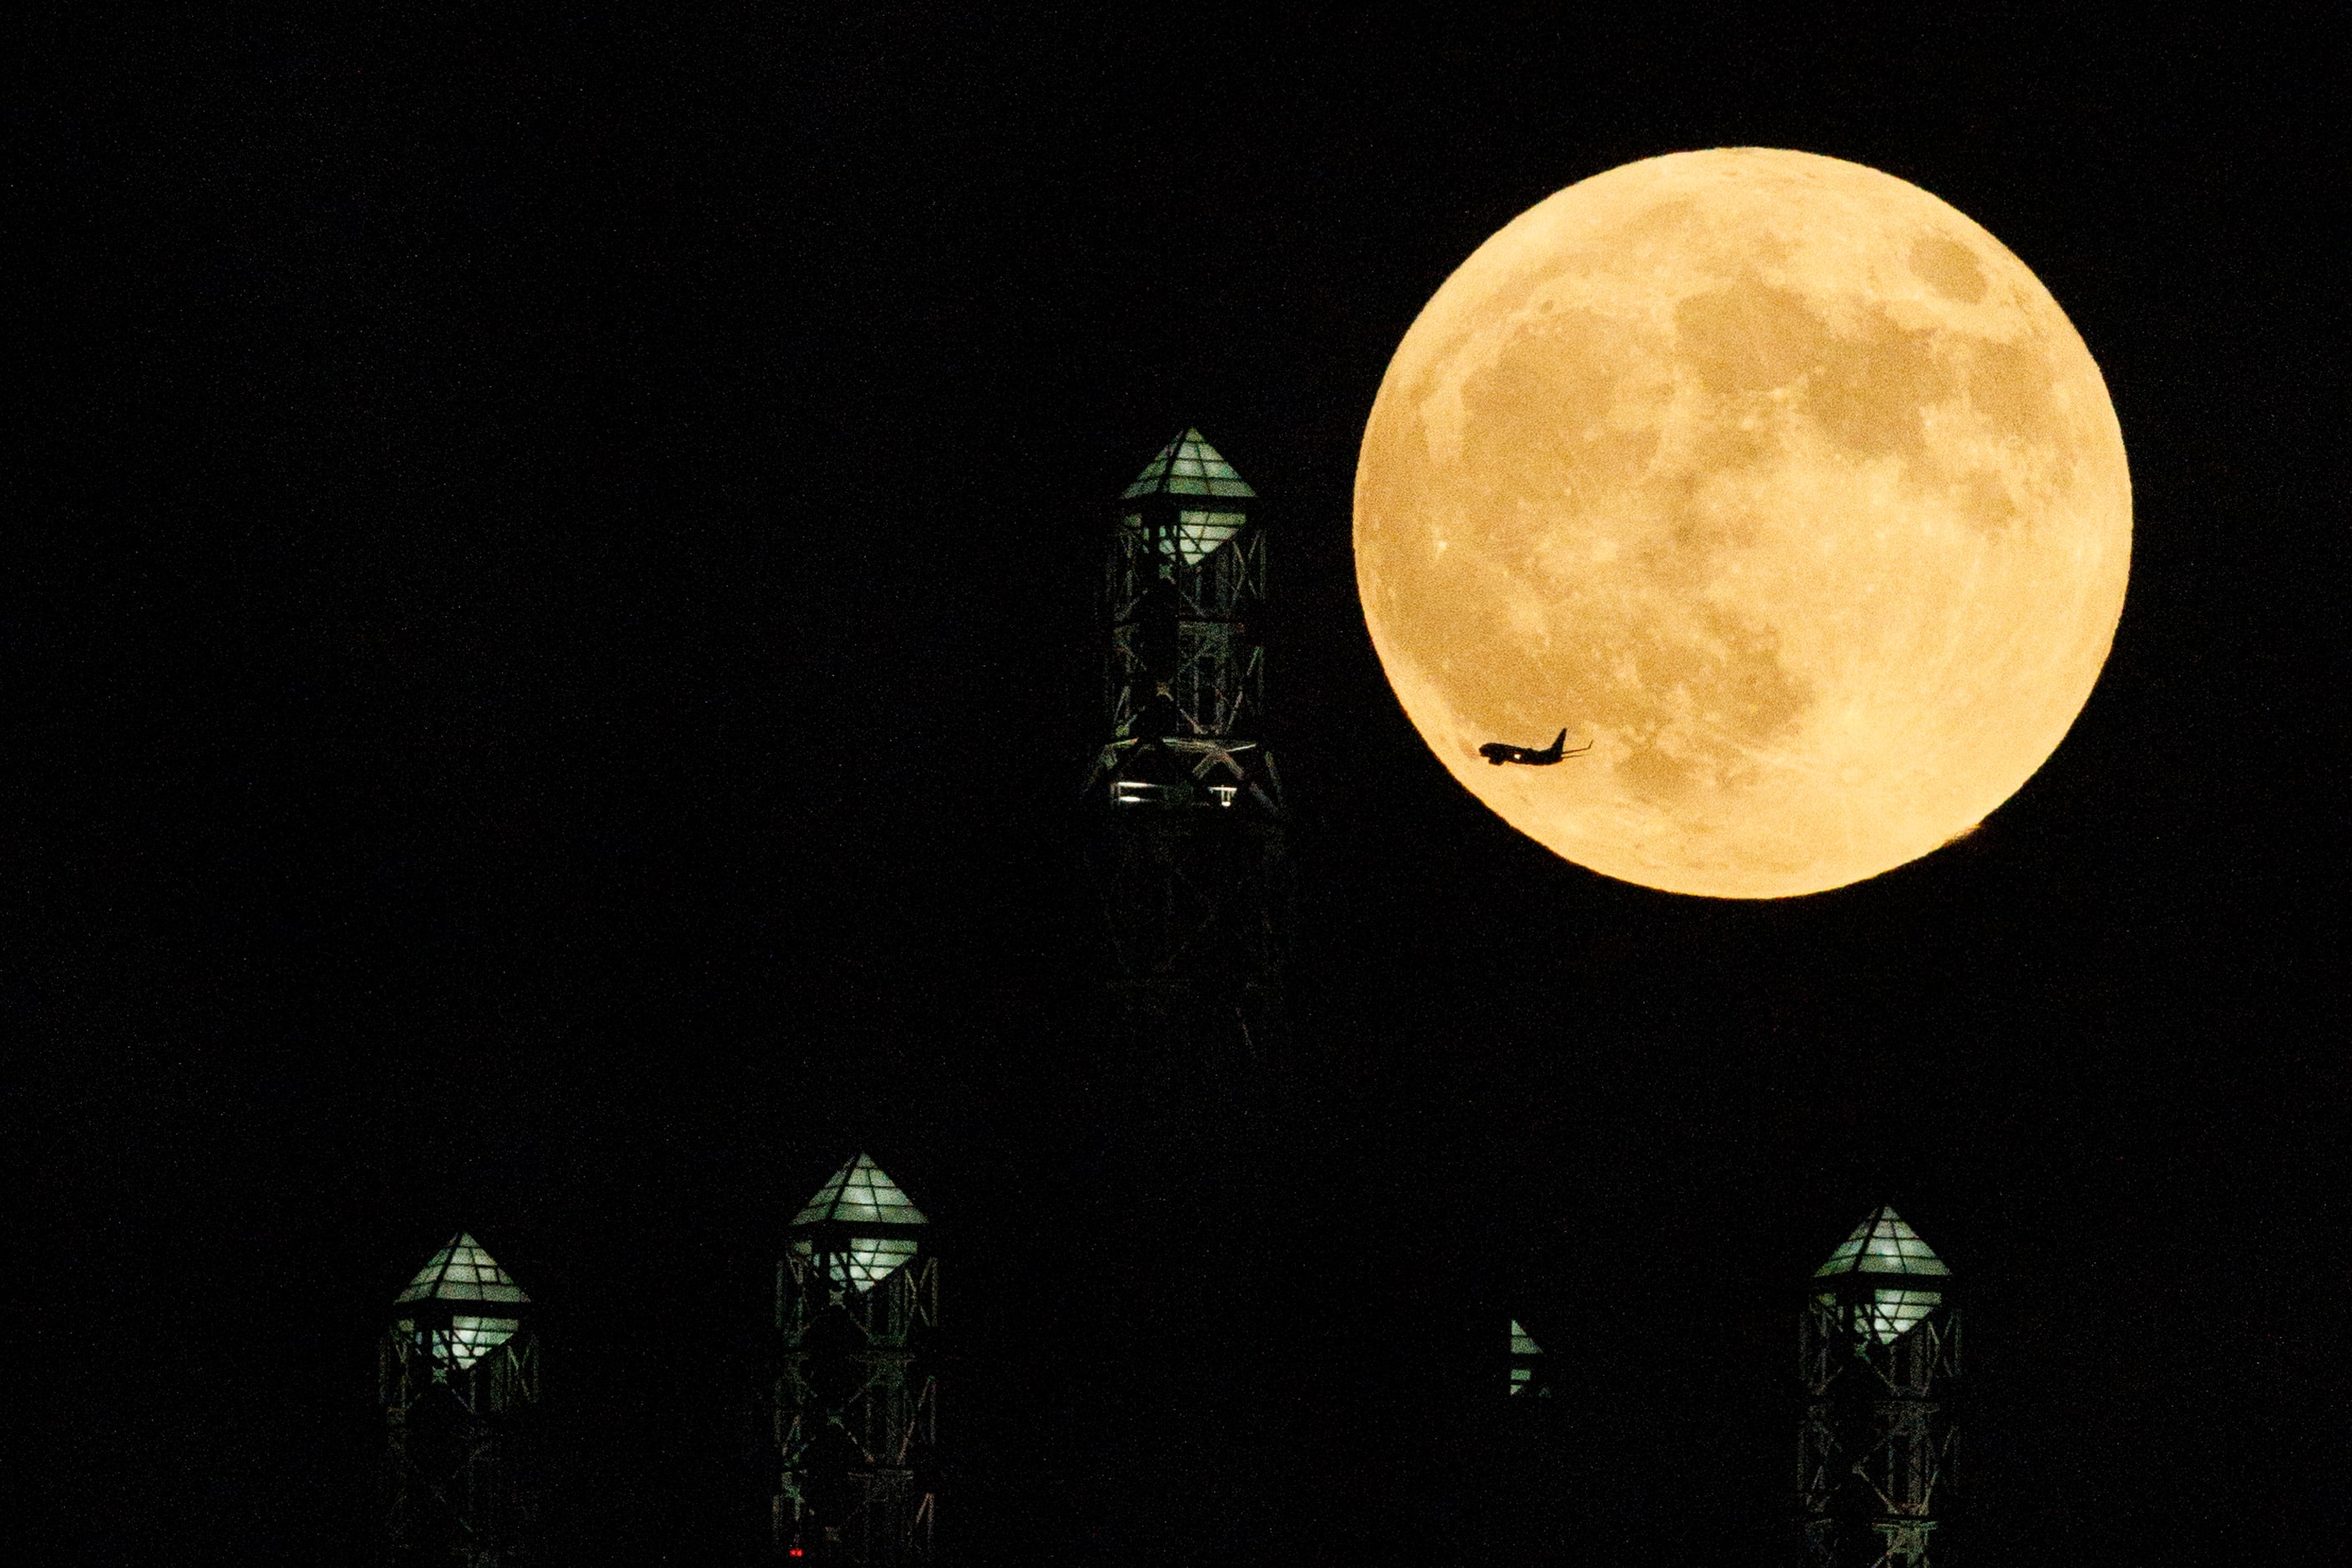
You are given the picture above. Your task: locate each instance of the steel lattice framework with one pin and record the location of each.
(853, 1399)
(1188, 839)
(458, 1376)
(1879, 1354)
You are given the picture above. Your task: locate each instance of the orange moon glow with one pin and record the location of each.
(1775, 477)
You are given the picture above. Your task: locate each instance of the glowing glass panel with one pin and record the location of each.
(468, 1340)
(462, 1271)
(1883, 1244)
(1196, 533)
(860, 1191)
(1890, 1314)
(1523, 1343)
(865, 1261)
(1188, 466)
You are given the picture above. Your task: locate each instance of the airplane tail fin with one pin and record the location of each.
(1560, 740)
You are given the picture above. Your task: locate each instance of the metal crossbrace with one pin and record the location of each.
(882, 1418)
(1907, 1543)
(1909, 1461)
(1194, 910)
(1817, 1448)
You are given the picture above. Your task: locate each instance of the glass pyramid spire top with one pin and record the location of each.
(1188, 466)
(1523, 1343)
(859, 1194)
(1883, 1244)
(462, 1271)
(860, 1191)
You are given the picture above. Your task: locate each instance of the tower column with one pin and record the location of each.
(1878, 1357)
(1187, 816)
(854, 1401)
(458, 1376)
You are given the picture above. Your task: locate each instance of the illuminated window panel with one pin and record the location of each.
(865, 1261)
(1188, 466)
(860, 1194)
(1883, 1244)
(462, 1271)
(859, 1191)
(468, 1340)
(1522, 1345)
(1890, 1314)
(1196, 533)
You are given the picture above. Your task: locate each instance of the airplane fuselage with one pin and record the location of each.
(1498, 752)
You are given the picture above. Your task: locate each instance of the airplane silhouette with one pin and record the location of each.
(1496, 752)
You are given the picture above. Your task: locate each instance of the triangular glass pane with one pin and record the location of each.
(859, 1191)
(1197, 533)
(1188, 466)
(1890, 1314)
(1522, 1342)
(1883, 1244)
(468, 1340)
(866, 1260)
(428, 1277)
(462, 1271)
(820, 1207)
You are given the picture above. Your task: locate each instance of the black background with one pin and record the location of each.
(553, 651)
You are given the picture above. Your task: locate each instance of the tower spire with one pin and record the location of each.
(854, 1400)
(458, 1374)
(1189, 820)
(1880, 1356)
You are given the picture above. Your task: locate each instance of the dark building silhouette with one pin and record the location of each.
(458, 1374)
(1879, 1354)
(853, 1396)
(1187, 831)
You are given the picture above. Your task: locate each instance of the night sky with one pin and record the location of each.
(551, 650)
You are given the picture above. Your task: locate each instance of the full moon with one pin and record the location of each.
(1775, 478)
